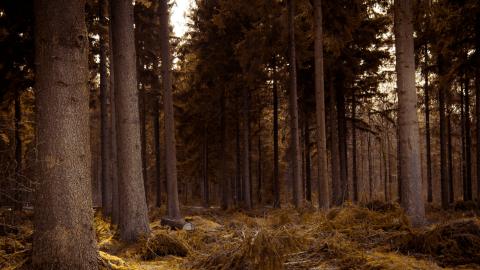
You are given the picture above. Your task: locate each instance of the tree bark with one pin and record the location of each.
(335, 159)
(354, 148)
(298, 199)
(63, 237)
(158, 155)
(260, 163)
(308, 174)
(173, 205)
(427, 127)
(464, 149)
(276, 180)
(323, 191)
(443, 134)
(246, 149)
(106, 123)
(18, 200)
(450, 158)
(225, 188)
(412, 197)
(133, 221)
(342, 143)
(468, 140)
(143, 137)
(477, 95)
(206, 191)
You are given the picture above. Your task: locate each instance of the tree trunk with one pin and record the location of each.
(238, 177)
(354, 148)
(246, 149)
(450, 158)
(158, 153)
(468, 140)
(143, 137)
(133, 221)
(427, 128)
(225, 188)
(276, 180)
(206, 191)
(260, 163)
(477, 95)
(113, 131)
(294, 131)
(173, 206)
(443, 135)
(323, 191)
(105, 120)
(18, 200)
(464, 149)
(342, 143)
(308, 174)
(63, 237)
(370, 167)
(412, 197)
(336, 187)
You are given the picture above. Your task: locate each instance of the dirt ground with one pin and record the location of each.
(373, 236)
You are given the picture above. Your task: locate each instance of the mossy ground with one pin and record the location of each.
(373, 236)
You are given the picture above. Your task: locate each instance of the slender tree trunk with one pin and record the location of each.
(133, 221)
(464, 148)
(354, 148)
(238, 164)
(298, 199)
(323, 192)
(260, 166)
(468, 140)
(105, 120)
(225, 184)
(158, 155)
(113, 131)
(173, 205)
(427, 127)
(370, 167)
(342, 144)
(450, 158)
(206, 191)
(63, 237)
(18, 200)
(412, 197)
(443, 135)
(246, 149)
(308, 173)
(276, 180)
(336, 185)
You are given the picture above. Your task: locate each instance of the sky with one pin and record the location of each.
(179, 17)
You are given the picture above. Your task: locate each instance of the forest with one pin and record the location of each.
(271, 135)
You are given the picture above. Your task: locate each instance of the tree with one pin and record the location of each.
(293, 108)
(63, 236)
(323, 192)
(409, 150)
(133, 219)
(173, 206)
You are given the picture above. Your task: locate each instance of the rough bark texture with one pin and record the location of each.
(105, 120)
(63, 236)
(298, 199)
(412, 197)
(477, 95)
(323, 191)
(143, 138)
(156, 139)
(113, 133)
(173, 205)
(133, 220)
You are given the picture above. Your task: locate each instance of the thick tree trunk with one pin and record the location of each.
(412, 197)
(298, 199)
(105, 120)
(63, 237)
(276, 180)
(323, 191)
(173, 205)
(133, 220)
(246, 149)
(427, 128)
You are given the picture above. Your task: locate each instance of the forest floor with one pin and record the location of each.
(373, 236)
